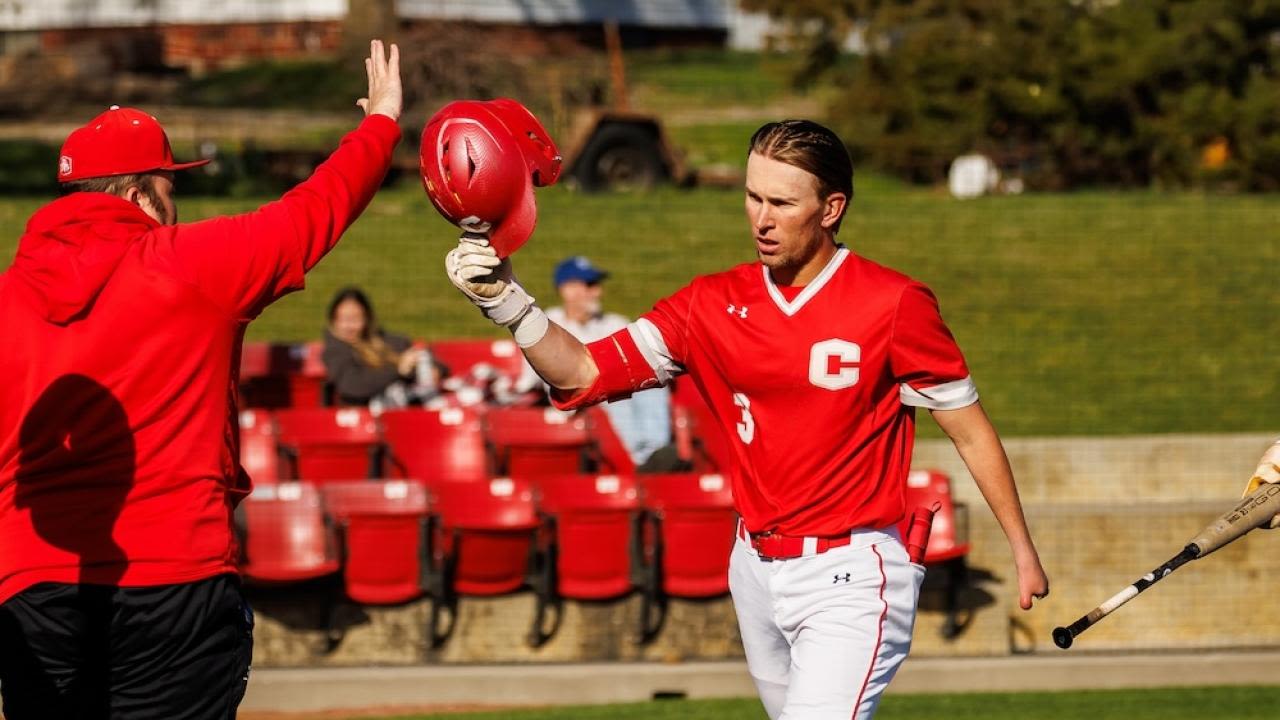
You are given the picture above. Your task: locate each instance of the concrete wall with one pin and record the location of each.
(1104, 511)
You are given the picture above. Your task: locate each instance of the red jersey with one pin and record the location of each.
(119, 352)
(816, 395)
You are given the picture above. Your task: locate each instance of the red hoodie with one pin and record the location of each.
(119, 353)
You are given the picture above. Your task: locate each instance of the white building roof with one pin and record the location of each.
(746, 30)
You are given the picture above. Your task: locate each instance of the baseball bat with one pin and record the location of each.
(1253, 510)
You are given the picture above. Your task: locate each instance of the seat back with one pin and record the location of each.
(264, 375)
(697, 522)
(487, 533)
(328, 443)
(535, 442)
(696, 430)
(444, 445)
(613, 452)
(286, 536)
(929, 488)
(594, 520)
(461, 357)
(307, 375)
(382, 524)
(258, 454)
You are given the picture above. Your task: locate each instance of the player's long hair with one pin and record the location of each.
(811, 147)
(372, 350)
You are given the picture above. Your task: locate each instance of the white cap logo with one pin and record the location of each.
(64, 165)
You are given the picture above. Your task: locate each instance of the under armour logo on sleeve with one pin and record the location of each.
(842, 578)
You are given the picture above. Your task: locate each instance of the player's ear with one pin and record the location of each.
(833, 207)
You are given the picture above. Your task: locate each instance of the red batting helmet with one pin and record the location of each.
(482, 159)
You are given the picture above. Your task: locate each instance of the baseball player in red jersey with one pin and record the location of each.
(813, 360)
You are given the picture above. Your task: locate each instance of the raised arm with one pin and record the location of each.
(245, 262)
(979, 446)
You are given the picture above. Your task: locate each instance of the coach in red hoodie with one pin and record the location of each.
(120, 336)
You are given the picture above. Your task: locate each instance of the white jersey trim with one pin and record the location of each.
(648, 339)
(947, 396)
(791, 308)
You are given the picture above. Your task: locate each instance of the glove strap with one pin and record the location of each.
(508, 307)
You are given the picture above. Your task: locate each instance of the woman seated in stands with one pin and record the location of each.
(368, 366)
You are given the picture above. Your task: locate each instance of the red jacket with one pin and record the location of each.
(119, 354)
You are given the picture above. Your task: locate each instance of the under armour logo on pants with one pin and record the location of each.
(842, 578)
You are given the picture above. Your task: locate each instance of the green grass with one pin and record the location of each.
(1246, 703)
(680, 79)
(1088, 313)
(324, 85)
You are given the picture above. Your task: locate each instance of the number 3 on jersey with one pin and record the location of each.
(746, 426)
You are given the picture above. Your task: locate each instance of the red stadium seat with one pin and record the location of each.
(264, 375)
(461, 357)
(436, 445)
(255, 359)
(286, 536)
(535, 442)
(383, 528)
(698, 436)
(307, 376)
(947, 542)
(279, 375)
(258, 455)
(613, 452)
(927, 488)
(484, 540)
(321, 444)
(592, 548)
(690, 537)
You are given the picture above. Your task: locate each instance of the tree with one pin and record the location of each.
(1071, 93)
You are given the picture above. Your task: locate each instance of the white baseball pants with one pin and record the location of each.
(824, 634)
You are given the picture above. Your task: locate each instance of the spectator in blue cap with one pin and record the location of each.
(644, 420)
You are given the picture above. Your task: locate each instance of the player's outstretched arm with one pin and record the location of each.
(979, 446)
(489, 283)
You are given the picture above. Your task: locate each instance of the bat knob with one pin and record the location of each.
(1062, 637)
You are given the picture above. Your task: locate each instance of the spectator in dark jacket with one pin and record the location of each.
(367, 365)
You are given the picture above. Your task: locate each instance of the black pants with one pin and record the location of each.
(97, 652)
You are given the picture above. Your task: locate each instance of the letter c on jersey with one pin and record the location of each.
(833, 364)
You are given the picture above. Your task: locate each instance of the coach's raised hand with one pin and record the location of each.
(386, 96)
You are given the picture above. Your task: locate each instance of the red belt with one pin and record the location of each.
(774, 546)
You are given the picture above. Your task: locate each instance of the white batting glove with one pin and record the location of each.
(1268, 471)
(489, 283)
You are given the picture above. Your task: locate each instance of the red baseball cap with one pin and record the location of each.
(120, 141)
